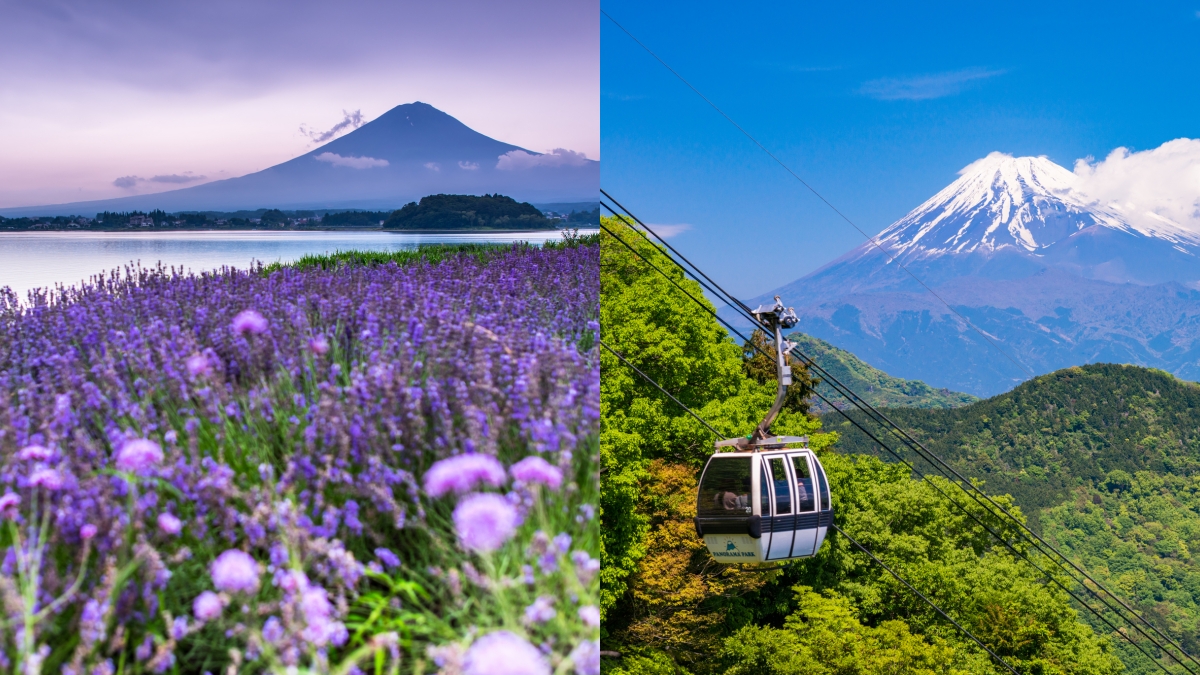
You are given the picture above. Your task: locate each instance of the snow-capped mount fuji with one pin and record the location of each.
(411, 151)
(1054, 277)
(1014, 216)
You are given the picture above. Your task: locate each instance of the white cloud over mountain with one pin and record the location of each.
(1148, 185)
(519, 159)
(352, 162)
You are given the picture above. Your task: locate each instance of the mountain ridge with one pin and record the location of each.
(410, 151)
(1052, 277)
(875, 386)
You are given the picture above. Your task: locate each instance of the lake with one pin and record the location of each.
(42, 259)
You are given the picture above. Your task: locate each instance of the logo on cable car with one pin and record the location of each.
(731, 551)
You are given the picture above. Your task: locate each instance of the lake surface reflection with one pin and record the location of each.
(43, 259)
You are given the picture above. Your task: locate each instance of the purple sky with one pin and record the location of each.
(95, 91)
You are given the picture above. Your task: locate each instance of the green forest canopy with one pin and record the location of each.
(460, 212)
(1106, 461)
(668, 607)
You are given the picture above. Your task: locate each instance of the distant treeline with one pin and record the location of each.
(467, 212)
(436, 212)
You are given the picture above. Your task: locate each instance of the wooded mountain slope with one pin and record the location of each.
(1105, 459)
(876, 386)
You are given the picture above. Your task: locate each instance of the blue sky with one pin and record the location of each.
(877, 106)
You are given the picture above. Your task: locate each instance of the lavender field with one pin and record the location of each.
(366, 469)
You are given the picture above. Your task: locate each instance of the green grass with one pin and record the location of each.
(430, 253)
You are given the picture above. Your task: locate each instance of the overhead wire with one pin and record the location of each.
(918, 448)
(656, 384)
(849, 538)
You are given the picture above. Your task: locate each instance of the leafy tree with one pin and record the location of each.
(758, 357)
(657, 328)
(825, 637)
(455, 212)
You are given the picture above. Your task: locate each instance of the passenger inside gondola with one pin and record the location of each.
(726, 487)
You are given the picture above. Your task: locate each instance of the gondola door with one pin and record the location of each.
(783, 515)
(806, 502)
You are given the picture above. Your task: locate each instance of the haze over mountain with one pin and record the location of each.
(411, 151)
(1054, 277)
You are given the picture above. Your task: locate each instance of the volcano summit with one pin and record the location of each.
(1054, 277)
(411, 151)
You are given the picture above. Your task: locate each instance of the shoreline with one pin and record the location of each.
(175, 230)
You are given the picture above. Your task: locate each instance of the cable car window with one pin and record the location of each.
(824, 487)
(725, 488)
(783, 497)
(764, 491)
(806, 498)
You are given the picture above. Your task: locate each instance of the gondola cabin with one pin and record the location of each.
(764, 506)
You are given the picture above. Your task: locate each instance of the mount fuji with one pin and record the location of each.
(411, 151)
(1016, 247)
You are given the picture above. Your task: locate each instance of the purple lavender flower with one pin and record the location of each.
(198, 365)
(169, 524)
(541, 611)
(320, 628)
(179, 627)
(207, 606)
(9, 504)
(138, 455)
(503, 653)
(586, 567)
(87, 531)
(318, 345)
(562, 542)
(272, 630)
(590, 616)
(145, 649)
(388, 558)
(586, 657)
(92, 622)
(35, 453)
(48, 479)
(249, 321)
(235, 571)
(484, 522)
(534, 469)
(461, 473)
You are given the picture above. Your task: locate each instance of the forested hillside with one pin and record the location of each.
(874, 385)
(669, 608)
(1104, 459)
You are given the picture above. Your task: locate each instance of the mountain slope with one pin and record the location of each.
(1105, 460)
(411, 151)
(1053, 278)
(874, 385)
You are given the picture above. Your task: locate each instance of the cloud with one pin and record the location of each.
(519, 159)
(1149, 185)
(468, 166)
(923, 87)
(130, 182)
(666, 231)
(433, 166)
(352, 162)
(353, 120)
(185, 177)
